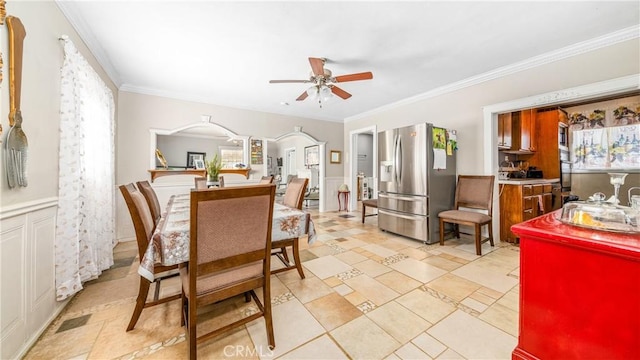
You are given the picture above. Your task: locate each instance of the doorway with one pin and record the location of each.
(290, 167)
(579, 93)
(363, 150)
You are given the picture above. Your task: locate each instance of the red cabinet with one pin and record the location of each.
(579, 292)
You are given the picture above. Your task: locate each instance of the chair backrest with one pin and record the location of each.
(230, 227)
(140, 215)
(221, 181)
(475, 192)
(200, 182)
(152, 200)
(290, 177)
(294, 195)
(266, 180)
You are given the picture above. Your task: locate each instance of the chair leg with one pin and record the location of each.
(191, 330)
(490, 233)
(456, 231)
(285, 254)
(268, 320)
(143, 291)
(478, 234)
(247, 296)
(441, 232)
(296, 257)
(364, 209)
(183, 304)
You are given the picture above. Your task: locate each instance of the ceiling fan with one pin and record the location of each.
(324, 82)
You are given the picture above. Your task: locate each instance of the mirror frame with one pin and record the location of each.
(153, 141)
(321, 167)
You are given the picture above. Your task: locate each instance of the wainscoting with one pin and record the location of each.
(27, 272)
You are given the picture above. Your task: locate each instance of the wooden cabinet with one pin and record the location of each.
(579, 292)
(547, 158)
(520, 203)
(504, 131)
(528, 134)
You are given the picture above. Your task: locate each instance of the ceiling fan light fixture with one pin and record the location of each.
(325, 93)
(312, 91)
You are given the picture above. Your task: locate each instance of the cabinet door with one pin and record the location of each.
(528, 130)
(504, 131)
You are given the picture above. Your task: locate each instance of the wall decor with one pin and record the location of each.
(191, 156)
(256, 152)
(335, 157)
(312, 155)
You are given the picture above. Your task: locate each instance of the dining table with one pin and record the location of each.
(169, 244)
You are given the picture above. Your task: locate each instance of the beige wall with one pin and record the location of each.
(462, 109)
(40, 102)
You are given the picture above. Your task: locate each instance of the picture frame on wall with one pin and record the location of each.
(335, 157)
(312, 155)
(199, 164)
(192, 155)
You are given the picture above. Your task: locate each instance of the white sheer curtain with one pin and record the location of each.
(85, 230)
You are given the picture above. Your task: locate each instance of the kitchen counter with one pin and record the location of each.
(527, 181)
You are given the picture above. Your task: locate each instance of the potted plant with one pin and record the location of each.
(213, 168)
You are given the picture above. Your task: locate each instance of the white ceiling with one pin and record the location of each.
(225, 53)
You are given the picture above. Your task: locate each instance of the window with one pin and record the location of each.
(230, 156)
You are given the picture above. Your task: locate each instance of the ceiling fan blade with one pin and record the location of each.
(354, 77)
(317, 66)
(287, 81)
(302, 96)
(339, 92)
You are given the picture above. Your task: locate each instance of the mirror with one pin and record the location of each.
(198, 141)
(285, 155)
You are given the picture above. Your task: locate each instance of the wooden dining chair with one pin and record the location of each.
(221, 181)
(152, 200)
(229, 255)
(266, 179)
(144, 227)
(200, 182)
(472, 192)
(293, 197)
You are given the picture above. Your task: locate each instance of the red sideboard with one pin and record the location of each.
(579, 292)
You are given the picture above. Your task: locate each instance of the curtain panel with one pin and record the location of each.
(85, 224)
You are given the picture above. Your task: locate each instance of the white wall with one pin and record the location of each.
(27, 296)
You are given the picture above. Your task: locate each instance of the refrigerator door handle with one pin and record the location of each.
(405, 198)
(398, 160)
(407, 217)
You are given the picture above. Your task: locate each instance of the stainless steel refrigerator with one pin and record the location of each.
(411, 192)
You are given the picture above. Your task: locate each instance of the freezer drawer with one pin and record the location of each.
(409, 225)
(403, 203)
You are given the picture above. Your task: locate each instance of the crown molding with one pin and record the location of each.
(613, 38)
(86, 35)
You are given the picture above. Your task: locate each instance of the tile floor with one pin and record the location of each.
(367, 295)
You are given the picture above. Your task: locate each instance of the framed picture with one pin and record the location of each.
(194, 156)
(312, 155)
(256, 152)
(335, 157)
(198, 163)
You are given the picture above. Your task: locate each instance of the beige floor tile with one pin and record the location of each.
(429, 345)
(333, 311)
(474, 304)
(372, 268)
(450, 355)
(379, 250)
(309, 289)
(355, 298)
(352, 243)
(327, 266)
(322, 348)
(343, 289)
(442, 263)
(510, 300)
(66, 344)
(398, 321)
(501, 317)
(363, 339)
(469, 337)
(418, 270)
(371, 289)
(414, 253)
(428, 307)
(293, 326)
(409, 351)
(332, 281)
(482, 298)
(453, 286)
(350, 257)
(486, 277)
(398, 282)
